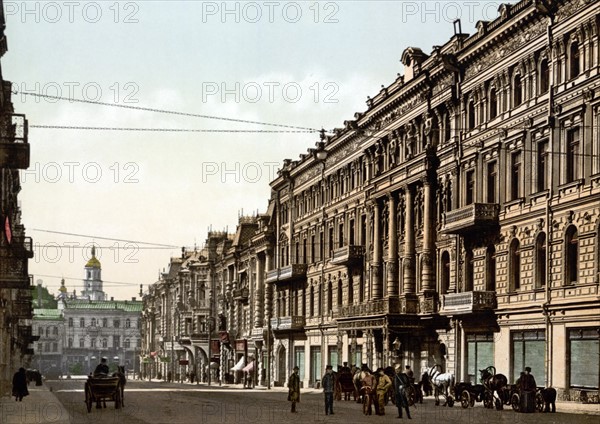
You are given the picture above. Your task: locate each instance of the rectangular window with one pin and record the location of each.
(299, 358)
(480, 354)
(515, 183)
(584, 354)
(81, 322)
(116, 341)
(542, 165)
(116, 323)
(333, 357)
(330, 242)
(492, 175)
(470, 189)
(341, 235)
(528, 350)
(315, 364)
(572, 155)
(312, 249)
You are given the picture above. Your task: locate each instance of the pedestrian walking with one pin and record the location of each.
(328, 383)
(19, 385)
(383, 385)
(294, 388)
(401, 382)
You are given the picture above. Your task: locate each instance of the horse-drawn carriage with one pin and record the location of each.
(345, 386)
(468, 393)
(100, 389)
(540, 402)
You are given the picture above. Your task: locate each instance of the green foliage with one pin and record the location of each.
(76, 369)
(48, 301)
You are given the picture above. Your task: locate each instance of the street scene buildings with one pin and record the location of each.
(82, 329)
(455, 221)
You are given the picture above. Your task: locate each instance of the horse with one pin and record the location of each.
(494, 383)
(549, 397)
(441, 382)
(122, 381)
(425, 385)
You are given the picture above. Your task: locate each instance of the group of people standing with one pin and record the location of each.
(375, 387)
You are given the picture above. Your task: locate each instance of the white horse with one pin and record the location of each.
(441, 382)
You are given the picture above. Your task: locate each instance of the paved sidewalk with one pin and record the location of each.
(40, 407)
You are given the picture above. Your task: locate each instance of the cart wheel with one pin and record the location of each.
(88, 399)
(411, 395)
(488, 400)
(515, 401)
(539, 402)
(465, 399)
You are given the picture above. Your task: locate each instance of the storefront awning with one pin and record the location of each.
(239, 366)
(249, 367)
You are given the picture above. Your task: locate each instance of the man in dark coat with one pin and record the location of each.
(527, 381)
(328, 382)
(401, 383)
(102, 368)
(19, 385)
(294, 388)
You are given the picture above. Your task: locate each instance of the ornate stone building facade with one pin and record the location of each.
(455, 221)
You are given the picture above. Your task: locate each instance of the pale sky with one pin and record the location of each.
(306, 64)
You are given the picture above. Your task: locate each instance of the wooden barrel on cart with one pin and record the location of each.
(527, 402)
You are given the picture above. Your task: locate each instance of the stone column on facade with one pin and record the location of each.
(427, 274)
(259, 300)
(376, 266)
(408, 267)
(392, 274)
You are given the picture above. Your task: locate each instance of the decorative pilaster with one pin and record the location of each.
(376, 265)
(408, 266)
(427, 275)
(392, 274)
(259, 301)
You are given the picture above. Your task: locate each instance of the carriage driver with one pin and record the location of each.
(102, 368)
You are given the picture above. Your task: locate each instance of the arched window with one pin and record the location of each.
(571, 255)
(55, 331)
(493, 99)
(544, 76)
(515, 265)
(490, 269)
(517, 90)
(574, 59)
(445, 272)
(471, 114)
(468, 271)
(540, 260)
(104, 342)
(82, 322)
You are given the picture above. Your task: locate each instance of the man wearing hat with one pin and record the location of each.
(328, 383)
(294, 388)
(101, 368)
(383, 385)
(527, 386)
(401, 383)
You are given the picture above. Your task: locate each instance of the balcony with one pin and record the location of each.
(375, 307)
(348, 255)
(14, 147)
(14, 263)
(468, 302)
(241, 294)
(291, 323)
(472, 217)
(286, 274)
